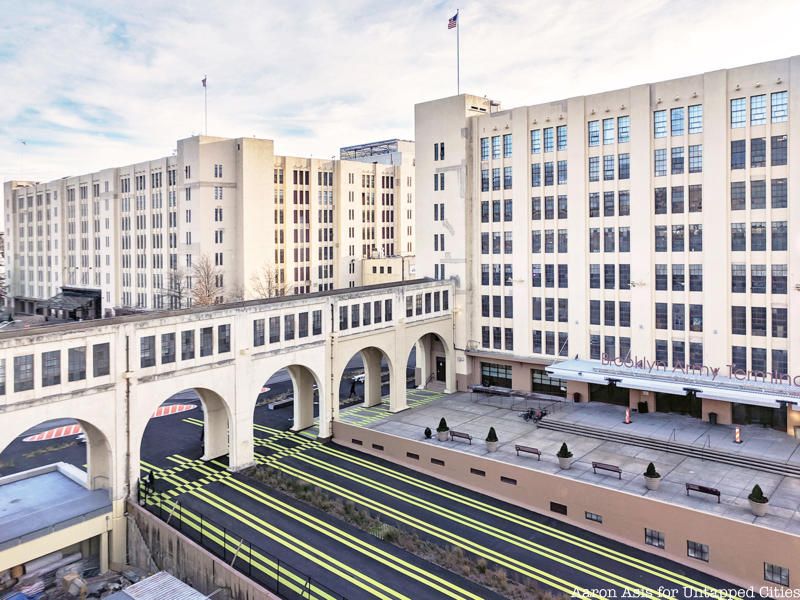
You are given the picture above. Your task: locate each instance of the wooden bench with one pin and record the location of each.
(694, 487)
(606, 467)
(458, 434)
(529, 449)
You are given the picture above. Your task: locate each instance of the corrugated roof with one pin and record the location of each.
(160, 586)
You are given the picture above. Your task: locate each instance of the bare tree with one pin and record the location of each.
(177, 290)
(235, 294)
(205, 284)
(265, 283)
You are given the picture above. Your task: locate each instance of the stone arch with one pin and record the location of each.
(430, 345)
(304, 378)
(372, 356)
(99, 456)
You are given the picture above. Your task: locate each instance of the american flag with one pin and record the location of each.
(452, 23)
(204, 81)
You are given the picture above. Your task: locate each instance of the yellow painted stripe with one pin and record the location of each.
(409, 569)
(618, 556)
(262, 563)
(298, 546)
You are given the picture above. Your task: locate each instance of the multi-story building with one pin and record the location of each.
(638, 246)
(264, 225)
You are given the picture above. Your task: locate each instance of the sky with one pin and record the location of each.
(95, 84)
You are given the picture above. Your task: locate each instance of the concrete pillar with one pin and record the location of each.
(373, 376)
(104, 558)
(449, 372)
(423, 361)
(215, 432)
(303, 385)
(397, 389)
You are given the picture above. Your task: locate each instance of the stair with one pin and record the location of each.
(435, 386)
(728, 458)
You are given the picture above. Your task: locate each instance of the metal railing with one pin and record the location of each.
(258, 564)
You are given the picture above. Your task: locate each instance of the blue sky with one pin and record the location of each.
(94, 84)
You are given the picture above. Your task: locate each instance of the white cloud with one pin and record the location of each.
(105, 84)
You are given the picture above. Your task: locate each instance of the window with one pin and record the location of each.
(661, 351)
(780, 362)
(548, 173)
(594, 312)
(594, 276)
(653, 538)
(738, 320)
(625, 166)
(738, 237)
(496, 178)
(660, 123)
(224, 338)
(738, 112)
(661, 277)
(561, 137)
(594, 204)
(677, 121)
(536, 142)
(660, 201)
(758, 152)
(51, 368)
(608, 239)
(758, 360)
(624, 314)
(609, 273)
(778, 193)
(678, 317)
(780, 107)
(562, 172)
(659, 162)
(288, 323)
(101, 359)
(258, 332)
(206, 341)
(775, 573)
(187, 344)
(507, 146)
(594, 133)
(594, 168)
(609, 312)
(677, 199)
(696, 118)
(738, 278)
(697, 550)
(677, 278)
(594, 239)
(696, 158)
(778, 150)
(661, 238)
(624, 198)
(624, 239)
(594, 347)
(696, 278)
(608, 167)
(758, 321)
(779, 279)
(167, 348)
(23, 373)
(779, 322)
(758, 194)
(608, 131)
(485, 148)
(695, 317)
(695, 237)
(548, 139)
(779, 235)
(507, 179)
(678, 160)
(147, 351)
(677, 238)
(661, 315)
(758, 236)
(758, 109)
(496, 146)
(76, 364)
(738, 195)
(484, 180)
(623, 129)
(738, 154)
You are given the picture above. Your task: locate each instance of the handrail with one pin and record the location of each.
(285, 576)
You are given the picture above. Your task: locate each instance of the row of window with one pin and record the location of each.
(678, 238)
(758, 152)
(678, 160)
(609, 346)
(623, 131)
(550, 305)
(758, 236)
(679, 277)
(148, 351)
(758, 321)
(552, 344)
(623, 167)
(758, 279)
(779, 109)
(546, 134)
(51, 367)
(610, 235)
(549, 241)
(621, 200)
(677, 121)
(507, 141)
(549, 275)
(507, 180)
(609, 279)
(758, 194)
(610, 313)
(678, 199)
(758, 360)
(679, 316)
(432, 302)
(274, 323)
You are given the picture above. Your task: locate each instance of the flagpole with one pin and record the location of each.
(458, 54)
(205, 102)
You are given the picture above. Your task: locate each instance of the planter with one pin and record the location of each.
(759, 509)
(652, 483)
(564, 462)
(443, 435)
(491, 446)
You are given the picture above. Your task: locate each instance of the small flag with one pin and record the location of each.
(204, 82)
(453, 22)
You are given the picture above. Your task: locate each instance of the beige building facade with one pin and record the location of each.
(625, 246)
(268, 224)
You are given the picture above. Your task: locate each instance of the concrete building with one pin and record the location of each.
(646, 231)
(131, 237)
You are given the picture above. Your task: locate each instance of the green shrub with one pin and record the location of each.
(564, 452)
(428, 433)
(442, 425)
(492, 437)
(757, 495)
(651, 472)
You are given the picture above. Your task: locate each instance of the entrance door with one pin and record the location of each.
(611, 394)
(440, 369)
(689, 404)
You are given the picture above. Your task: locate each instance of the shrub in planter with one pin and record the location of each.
(758, 501)
(652, 478)
(442, 430)
(491, 440)
(428, 433)
(564, 456)
(642, 407)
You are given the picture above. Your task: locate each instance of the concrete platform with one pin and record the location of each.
(474, 414)
(46, 499)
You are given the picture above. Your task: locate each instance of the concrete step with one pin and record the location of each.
(720, 456)
(435, 386)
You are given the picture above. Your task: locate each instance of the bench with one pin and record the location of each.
(529, 449)
(703, 490)
(458, 434)
(606, 467)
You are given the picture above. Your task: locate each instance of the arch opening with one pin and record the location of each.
(432, 362)
(366, 378)
(289, 400)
